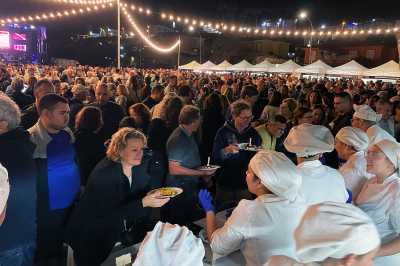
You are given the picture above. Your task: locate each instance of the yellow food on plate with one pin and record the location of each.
(168, 192)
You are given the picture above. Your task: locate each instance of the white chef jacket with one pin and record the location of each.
(355, 172)
(285, 261)
(260, 228)
(382, 203)
(376, 133)
(321, 183)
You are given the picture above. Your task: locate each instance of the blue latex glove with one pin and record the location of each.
(205, 199)
(350, 199)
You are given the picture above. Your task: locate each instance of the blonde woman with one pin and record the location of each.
(114, 201)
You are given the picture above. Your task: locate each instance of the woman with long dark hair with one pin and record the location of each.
(213, 119)
(89, 146)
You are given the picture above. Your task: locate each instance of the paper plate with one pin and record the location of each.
(168, 192)
(208, 167)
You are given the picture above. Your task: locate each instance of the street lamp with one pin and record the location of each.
(304, 16)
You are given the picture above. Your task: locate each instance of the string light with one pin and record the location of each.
(256, 30)
(146, 39)
(53, 15)
(84, 2)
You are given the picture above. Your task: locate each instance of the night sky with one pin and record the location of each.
(246, 12)
(322, 11)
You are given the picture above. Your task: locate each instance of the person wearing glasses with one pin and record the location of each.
(379, 199)
(231, 182)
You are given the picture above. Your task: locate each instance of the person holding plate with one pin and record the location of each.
(184, 161)
(115, 206)
(227, 152)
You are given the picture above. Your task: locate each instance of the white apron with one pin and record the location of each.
(355, 173)
(260, 228)
(381, 202)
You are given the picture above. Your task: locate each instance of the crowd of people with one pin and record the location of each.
(310, 166)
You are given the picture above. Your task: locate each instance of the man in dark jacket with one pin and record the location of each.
(231, 182)
(112, 113)
(344, 112)
(18, 232)
(30, 115)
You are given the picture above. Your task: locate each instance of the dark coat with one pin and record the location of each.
(29, 117)
(19, 227)
(97, 222)
(90, 150)
(21, 99)
(112, 114)
(341, 121)
(234, 166)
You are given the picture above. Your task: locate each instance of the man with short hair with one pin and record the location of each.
(184, 157)
(155, 96)
(344, 112)
(30, 115)
(367, 120)
(112, 113)
(249, 94)
(58, 179)
(271, 131)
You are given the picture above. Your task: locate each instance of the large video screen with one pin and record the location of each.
(4, 40)
(19, 37)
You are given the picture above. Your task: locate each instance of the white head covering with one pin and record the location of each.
(334, 230)
(354, 137)
(277, 173)
(4, 188)
(170, 245)
(391, 150)
(308, 140)
(365, 112)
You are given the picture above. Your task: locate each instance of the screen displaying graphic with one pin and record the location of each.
(20, 47)
(19, 37)
(4, 40)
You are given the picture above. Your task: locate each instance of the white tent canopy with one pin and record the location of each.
(264, 66)
(242, 66)
(318, 67)
(223, 66)
(390, 69)
(206, 66)
(190, 66)
(287, 67)
(351, 68)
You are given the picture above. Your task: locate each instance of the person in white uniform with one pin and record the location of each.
(333, 234)
(169, 245)
(351, 145)
(366, 119)
(262, 227)
(380, 199)
(4, 192)
(320, 183)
